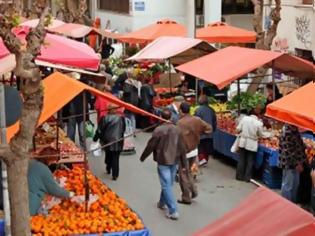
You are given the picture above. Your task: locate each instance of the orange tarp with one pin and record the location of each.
(223, 33)
(226, 65)
(60, 89)
(263, 213)
(297, 108)
(154, 31)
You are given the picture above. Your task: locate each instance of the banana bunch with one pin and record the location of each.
(219, 107)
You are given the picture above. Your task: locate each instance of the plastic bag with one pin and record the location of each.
(89, 129)
(96, 149)
(80, 199)
(235, 146)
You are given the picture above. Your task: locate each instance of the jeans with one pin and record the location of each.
(290, 184)
(112, 162)
(245, 165)
(167, 178)
(71, 130)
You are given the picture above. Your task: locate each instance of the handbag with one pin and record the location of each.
(235, 147)
(89, 129)
(96, 148)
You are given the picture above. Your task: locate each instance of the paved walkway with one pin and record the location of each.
(138, 184)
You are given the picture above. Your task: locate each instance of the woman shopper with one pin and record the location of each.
(250, 129)
(111, 128)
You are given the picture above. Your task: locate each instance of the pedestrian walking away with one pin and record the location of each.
(111, 128)
(207, 114)
(292, 156)
(168, 148)
(191, 128)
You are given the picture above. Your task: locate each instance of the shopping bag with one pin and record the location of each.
(235, 146)
(89, 129)
(96, 149)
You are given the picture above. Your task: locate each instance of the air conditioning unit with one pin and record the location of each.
(200, 20)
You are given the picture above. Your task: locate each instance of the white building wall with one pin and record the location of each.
(212, 11)
(287, 32)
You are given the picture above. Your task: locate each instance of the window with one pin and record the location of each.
(120, 6)
(199, 7)
(237, 7)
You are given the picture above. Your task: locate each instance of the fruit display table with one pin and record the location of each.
(108, 214)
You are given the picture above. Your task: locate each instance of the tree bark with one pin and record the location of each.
(21, 144)
(264, 40)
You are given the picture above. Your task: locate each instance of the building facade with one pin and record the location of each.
(130, 15)
(296, 30)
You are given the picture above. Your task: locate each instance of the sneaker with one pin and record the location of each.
(173, 216)
(203, 162)
(160, 206)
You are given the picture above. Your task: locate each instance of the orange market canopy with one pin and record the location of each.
(226, 65)
(223, 33)
(60, 89)
(297, 108)
(175, 48)
(154, 31)
(263, 213)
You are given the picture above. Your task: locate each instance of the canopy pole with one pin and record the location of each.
(273, 81)
(196, 90)
(86, 183)
(169, 74)
(239, 97)
(4, 176)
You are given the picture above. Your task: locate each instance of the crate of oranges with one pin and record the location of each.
(109, 214)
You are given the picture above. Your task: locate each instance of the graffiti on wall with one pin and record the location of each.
(303, 30)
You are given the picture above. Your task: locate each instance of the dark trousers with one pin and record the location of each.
(186, 184)
(245, 165)
(112, 162)
(313, 200)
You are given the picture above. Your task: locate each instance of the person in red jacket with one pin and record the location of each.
(101, 105)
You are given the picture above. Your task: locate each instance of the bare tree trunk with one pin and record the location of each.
(74, 11)
(16, 156)
(264, 40)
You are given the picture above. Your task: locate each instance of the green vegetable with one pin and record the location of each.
(247, 101)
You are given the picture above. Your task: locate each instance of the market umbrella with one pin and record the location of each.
(34, 22)
(60, 50)
(7, 60)
(148, 34)
(74, 30)
(223, 33)
(297, 108)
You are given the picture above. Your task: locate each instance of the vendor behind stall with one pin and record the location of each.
(40, 183)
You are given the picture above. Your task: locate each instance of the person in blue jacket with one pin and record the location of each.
(40, 183)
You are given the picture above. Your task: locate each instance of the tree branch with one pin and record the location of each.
(5, 153)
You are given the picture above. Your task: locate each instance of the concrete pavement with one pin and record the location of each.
(138, 183)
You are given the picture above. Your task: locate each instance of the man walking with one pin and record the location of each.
(207, 114)
(111, 128)
(191, 127)
(168, 149)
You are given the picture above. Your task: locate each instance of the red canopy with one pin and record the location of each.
(296, 108)
(73, 30)
(223, 33)
(34, 22)
(154, 31)
(60, 89)
(60, 50)
(226, 65)
(263, 213)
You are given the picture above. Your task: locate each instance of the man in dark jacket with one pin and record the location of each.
(168, 149)
(111, 128)
(208, 115)
(191, 127)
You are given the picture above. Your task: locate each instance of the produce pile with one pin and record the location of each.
(227, 123)
(108, 214)
(247, 101)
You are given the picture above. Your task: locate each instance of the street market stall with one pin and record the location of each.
(262, 213)
(107, 213)
(147, 34)
(223, 33)
(241, 61)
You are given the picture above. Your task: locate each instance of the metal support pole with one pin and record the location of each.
(239, 97)
(6, 203)
(169, 74)
(197, 88)
(273, 81)
(86, 181)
